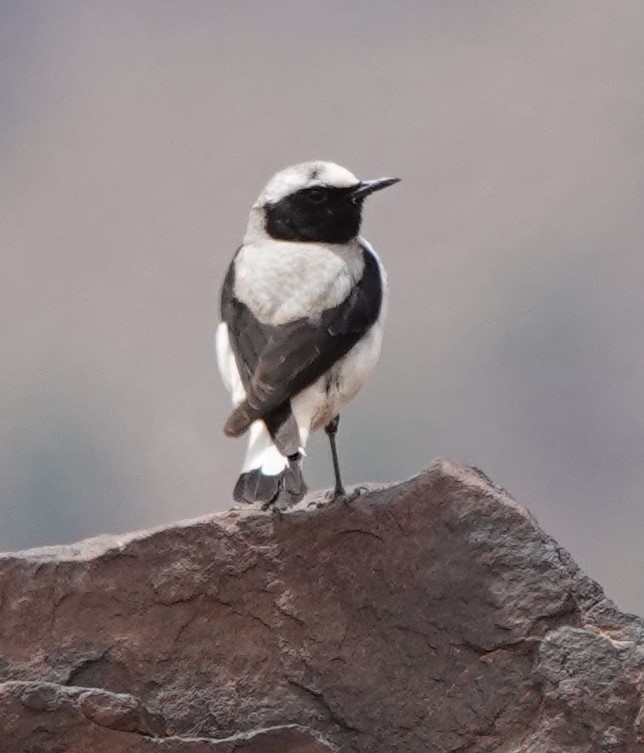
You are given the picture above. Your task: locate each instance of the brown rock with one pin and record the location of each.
(432, 615)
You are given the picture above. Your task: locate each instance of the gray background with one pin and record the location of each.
(135, 135)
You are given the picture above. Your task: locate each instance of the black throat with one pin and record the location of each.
(320, 214)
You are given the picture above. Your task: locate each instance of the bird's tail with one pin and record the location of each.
(267, 476)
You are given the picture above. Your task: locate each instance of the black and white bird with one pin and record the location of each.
(302, 309)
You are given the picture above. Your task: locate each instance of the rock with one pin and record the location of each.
(432, 615)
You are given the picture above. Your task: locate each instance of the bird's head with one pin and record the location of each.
(317, 202)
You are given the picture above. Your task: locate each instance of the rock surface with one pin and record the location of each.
(432, 615)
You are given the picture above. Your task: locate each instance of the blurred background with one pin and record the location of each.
(134, 137)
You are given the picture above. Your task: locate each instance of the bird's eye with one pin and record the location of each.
(317, 195)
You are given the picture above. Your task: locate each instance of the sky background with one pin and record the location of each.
(134, 137)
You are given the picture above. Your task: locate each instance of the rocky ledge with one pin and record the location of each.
(431, 615)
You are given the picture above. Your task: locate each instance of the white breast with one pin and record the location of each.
(281, 281)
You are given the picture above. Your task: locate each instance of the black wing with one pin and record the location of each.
(278, 362)
(249, 338)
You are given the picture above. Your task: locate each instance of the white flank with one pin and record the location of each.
(261, 452)
(227, 365)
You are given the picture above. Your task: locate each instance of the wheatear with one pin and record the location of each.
(302, 309)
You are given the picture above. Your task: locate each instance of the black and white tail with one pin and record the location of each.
(268, 477)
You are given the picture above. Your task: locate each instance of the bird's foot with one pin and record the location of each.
(341, 495)
(338, 495)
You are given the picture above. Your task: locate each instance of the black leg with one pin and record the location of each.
(332, 429)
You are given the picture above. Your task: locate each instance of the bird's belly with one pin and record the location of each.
(323, 400)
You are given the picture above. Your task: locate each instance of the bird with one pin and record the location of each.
(302, 308)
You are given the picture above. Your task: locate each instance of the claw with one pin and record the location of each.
(340, 495)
